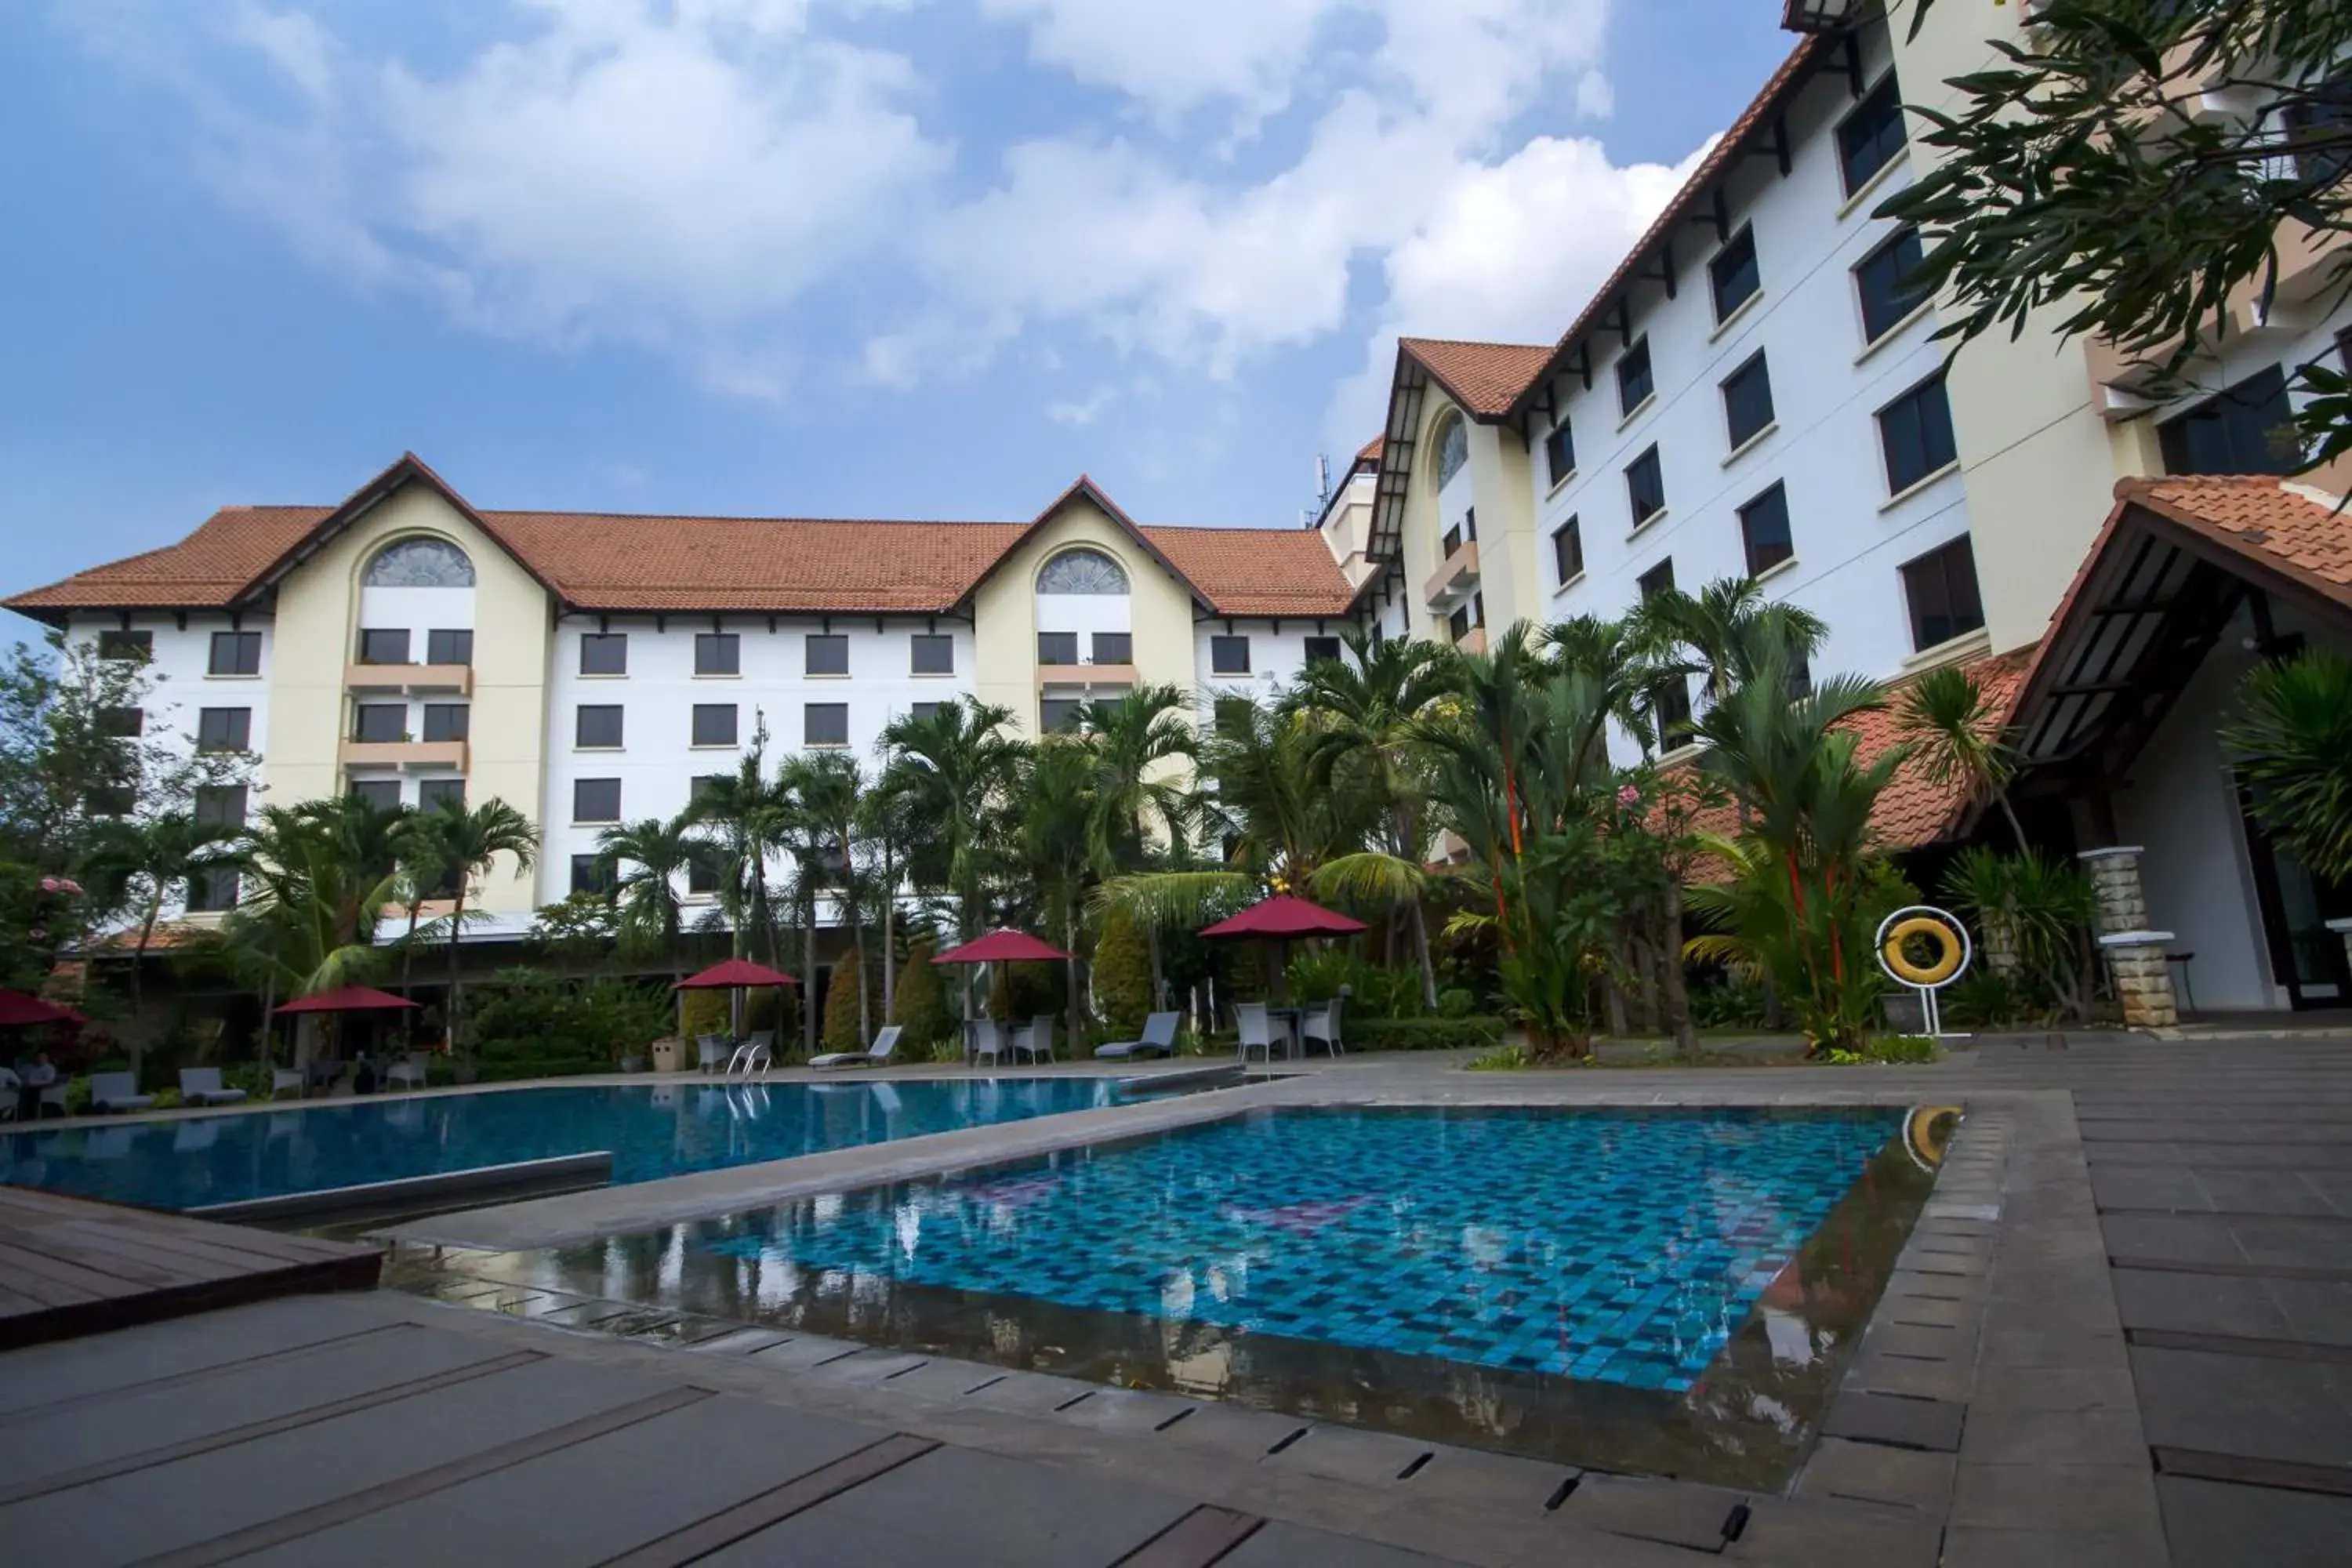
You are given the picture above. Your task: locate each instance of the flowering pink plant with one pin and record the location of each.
(1629, 794)
(60, 885)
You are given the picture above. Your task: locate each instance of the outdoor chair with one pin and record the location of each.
(53, 1100)
(757, 1050)
(1037, 1041)
(713, 1053)
(1322, 1024)
(987, 1039)
(283, 1079)
(876, 1055)
(1158, 1040)
(409, 1070)
(202, 1085)
(1257, 1029)
(117, 1092)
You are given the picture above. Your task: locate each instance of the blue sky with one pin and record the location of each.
(818, 258)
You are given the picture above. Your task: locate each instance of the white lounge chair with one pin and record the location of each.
(1257, 1029)
(1158, 1040)
(1037, 1041)
(117, 1092)
(875, 1055)
(283, 1079)
(987, 1040)
(713, 1053)
(202, 1085)
(757, 1050)
(1322, 1024)
(409, 1069)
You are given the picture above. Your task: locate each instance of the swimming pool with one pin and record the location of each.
(657, 1131)
(1670, 1291)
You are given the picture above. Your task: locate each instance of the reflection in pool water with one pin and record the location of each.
(1671, 1292)
(659, 1130)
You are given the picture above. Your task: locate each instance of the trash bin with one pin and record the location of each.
(669, 1055)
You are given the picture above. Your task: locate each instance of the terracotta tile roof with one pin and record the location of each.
(1258, 571)
(1758, 112)
(2288, 527)
(1484, 378)
(211, 566)
(1370, 451)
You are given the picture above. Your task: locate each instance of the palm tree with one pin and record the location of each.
(1729, 628)
(956, 768)
(825, 787)
(2292, 741)
(1955, 728)
(1364, 717)
(1059, 842)
(1135, 747)
(888, 821)
(150, 859)
(747, 813)
(647, 859)
(469, 842)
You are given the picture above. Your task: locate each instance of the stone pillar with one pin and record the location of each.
(2135, 954)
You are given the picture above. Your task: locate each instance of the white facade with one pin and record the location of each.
(1275, 650)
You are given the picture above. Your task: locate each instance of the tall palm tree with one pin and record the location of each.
(1058, 843)
(888, 821)
(1729, 627)
(1135, 790)
(471, 841)
(956, 768)
(1364, 717)
(646, 860)
(825, 788)
(149, 859)
(746, 814)
(1955, 728)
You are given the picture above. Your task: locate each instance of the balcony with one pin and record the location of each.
(402, 755)
(1472, 641)
(1456, 577)
(457, 678)
(1086, 674)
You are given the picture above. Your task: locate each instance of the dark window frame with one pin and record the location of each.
(244, 653)
(1739, 390)
(1120, 648)
(599, 648)
(124, 644)
(1659, 579)
(831, 643)
(810, 727)
(436, 795)
(2224, 434)
(121, 721)
(369, 790)
(1770, 501)
(1635, 372)
(237, 721)
(594, 874)
(588, 797)
(1742, 265)
(369, 723)
(707, 714)
(1221, 645)
(1567, 548)
(375, 642)
(450, 646)
(1059, 715)
(581, 721)
(1881, 109)
(1560, 453)
(1321, 648)
(939, 643)
(1057, 650)
(437, 716)
(1922, 411)
(1650, 464)
(221, 806)
(211, 889)
(1878, 283)
(1962, 613)
(717, 653)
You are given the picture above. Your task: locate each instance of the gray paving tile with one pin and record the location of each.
(804, 1350)
(1670, 1512)
(1031, 1393)
(2056, 1388)
(1233, 1430)
(1493, 1483)
(2054, 1437)
(1911, 1479)
(1929, 1424)
(1135, 1410)
(1276, 1544)
(1345, 1454)
(1803, 1534)
(79, 1368)
(2097, 1500)
(587, 1503)
(960, 1506)
(2212, 1524)
(2197, 1303)
(2297, 1411)
(1980, 1546)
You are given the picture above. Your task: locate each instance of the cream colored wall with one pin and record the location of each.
(2039, 462)
(1507, 571)
(1005, 612)
(317, 629)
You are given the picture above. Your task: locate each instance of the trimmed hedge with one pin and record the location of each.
(1474, 1033)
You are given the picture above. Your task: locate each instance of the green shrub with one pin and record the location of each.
(1726, 1004)
(1455, 1002)
(1374, 991)
(706, 1013)
(523, 1013)
(1504, 1058)
(1901, 1049)
(1122, 973)
(920, 1004)
(167, 1099)
(1474, 1033)
(841, 1014)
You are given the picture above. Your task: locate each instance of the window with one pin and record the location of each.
(1941, 589)
(1559, 452)
(1646, 488)
(1323, 648)
(126, 647)
(824, 724)
(1748, 401)
(595, 800)
(381, 794)
(1114, 647)
(2317, 126)
(441, 795)
(1453, 448)
(2248, 428)
(211, 888)
(1732, 274)
(1229, 656)
(1568, 551)
(1057, 647)
(924, 712)
(702, 784)
(702, 873)
(236, 653)
(717, 653)
(110, 800)
(1234, 715)
(1657, 580)
(446, 720)
(450, 646)
(597, 728)
(382, 645)
(1883, 279)
(220, 805)
(1764, 527)
(932, 653)
(1451, 542)
(1633, 381)
(1670, 707)
(1870, 136)
(1058, 713)
(1458, 625)
(224, 729)
(379, 723)
(714, 723)
(604, 653)
(1082, 571)
(593, 874)
(1800, 675)
(828, 654)
(420, 564)
(120, 723)
(1916, 433)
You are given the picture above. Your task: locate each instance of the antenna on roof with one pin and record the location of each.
(1309, 516)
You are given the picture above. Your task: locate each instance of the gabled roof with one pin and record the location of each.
(1482, 379)
(614, 563)
(2285, 528)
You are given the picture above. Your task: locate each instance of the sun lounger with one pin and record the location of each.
(1158, 1040)
(874, 1056)
(202, 1085)
(117, 1092)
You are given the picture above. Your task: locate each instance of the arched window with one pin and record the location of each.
(1453, 448)
(1082, 571)
(420, 564)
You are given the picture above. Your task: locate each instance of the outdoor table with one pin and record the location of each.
(1288, 1017)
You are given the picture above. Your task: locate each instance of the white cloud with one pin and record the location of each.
(1171, 57)
(1084, 411)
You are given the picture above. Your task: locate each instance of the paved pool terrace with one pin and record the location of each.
(2001, 1408)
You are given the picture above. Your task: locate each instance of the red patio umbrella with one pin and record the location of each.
(1280, 919)
(1008, 946)
(346, 999)
(737, 975)
(23, 1009)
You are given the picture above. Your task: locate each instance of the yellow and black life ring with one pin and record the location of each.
(1949, 952)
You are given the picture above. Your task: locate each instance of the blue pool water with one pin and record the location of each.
(1622, 1248)
(653, 1131)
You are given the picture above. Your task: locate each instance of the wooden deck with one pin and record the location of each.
(71, 1266)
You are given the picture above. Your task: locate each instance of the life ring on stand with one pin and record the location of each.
(1951, 951)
